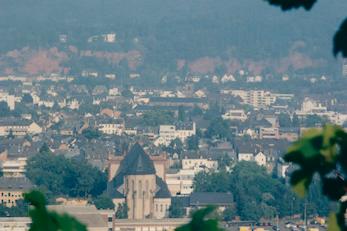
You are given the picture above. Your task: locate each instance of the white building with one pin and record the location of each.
(258, 99)
(112, 127)
(182, 131)
(234, 114)
(181, 182)
(344, 67)
(14, 168)
(259, 158)
(15, 223)
(9, 99)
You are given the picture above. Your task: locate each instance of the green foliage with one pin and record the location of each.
(218, 128)
(193, 142)
(20, 210)
(201, 222)
(64, 176)
(323, 152)
(291, 4)
(157, 117)
(253, 188)
(91, 134)
(176, 209)
(340, 37)
(229, 213)
(4, 109)
(181, 114)
(175, 146)
(122, 211)
(42, 219)
(103, 202)
(27, 98)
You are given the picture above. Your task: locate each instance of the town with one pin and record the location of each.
(153, 155)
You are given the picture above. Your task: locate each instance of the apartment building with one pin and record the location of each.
(168, 133)
(258, 99)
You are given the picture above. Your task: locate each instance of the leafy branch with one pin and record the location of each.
(42, 219)
(322, 152)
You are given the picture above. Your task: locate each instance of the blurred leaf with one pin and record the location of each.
(300, 182)
(200, 223)
(42, 219)
(332, 223)
(333, 188)
(340, 40)
(292, 4)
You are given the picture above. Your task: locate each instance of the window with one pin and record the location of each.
(161, 208)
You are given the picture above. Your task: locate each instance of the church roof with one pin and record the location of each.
(137, 162)
(163, 189)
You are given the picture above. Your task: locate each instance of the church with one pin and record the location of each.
(138, 180)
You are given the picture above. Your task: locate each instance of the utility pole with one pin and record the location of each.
(305, 216)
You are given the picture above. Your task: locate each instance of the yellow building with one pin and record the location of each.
(12, 189)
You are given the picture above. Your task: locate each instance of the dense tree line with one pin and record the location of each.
(257, 194)
(65, 177)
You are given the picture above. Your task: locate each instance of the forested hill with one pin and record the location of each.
(167, 30)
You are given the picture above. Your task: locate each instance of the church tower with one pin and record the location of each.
(137, 184)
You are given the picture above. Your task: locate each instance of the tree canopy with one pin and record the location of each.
(62, 176)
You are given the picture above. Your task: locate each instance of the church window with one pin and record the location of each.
(140, 188)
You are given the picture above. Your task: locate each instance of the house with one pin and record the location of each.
(9, 99)
(181, 130)
(235, 114)
(260, 159)
(111, 126)
(12, 189)
(18, 127)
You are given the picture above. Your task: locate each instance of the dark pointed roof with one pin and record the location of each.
(137, 162)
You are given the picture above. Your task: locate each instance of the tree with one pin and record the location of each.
(61, 176)
(229, 213)
(181, 114)
(193, 142)
(20, 210)
(122, 211)
(253, 188)
(218, 128)
(175, 146)
(224, 161)
(27, 99)
(91, 134)
(103, 202)
(339, 41)
(295, 121)
(200, 221)
(157, 117)
(4, 109)
(176, 209)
